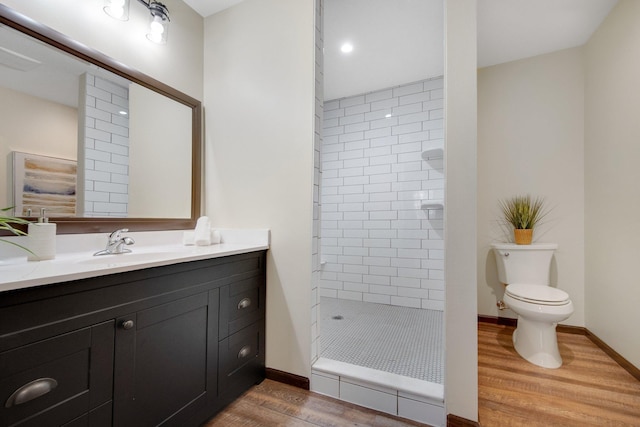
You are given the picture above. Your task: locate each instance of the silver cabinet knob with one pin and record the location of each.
(506, 254)
(127, 324)
(244, 352)
(244, 303)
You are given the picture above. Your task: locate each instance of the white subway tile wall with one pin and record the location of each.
(317, 177)
(104, 175)
(378, 244)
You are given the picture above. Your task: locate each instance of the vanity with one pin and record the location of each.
(159, 338)
(166, 335)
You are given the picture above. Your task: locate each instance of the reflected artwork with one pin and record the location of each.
(44, 182)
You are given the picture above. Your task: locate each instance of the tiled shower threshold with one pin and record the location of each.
(382, 357)
(386, 392)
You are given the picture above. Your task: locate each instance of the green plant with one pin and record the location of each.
(523, 212)
(7, 223)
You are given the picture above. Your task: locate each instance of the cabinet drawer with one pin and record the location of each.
(242, 359)
(241, 304)
(58, 379)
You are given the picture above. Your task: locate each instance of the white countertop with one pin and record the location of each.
(152, 249)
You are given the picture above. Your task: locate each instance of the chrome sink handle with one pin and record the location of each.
(115, 243)
(115, 236)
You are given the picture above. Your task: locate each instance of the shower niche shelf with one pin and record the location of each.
(433, 149)
(430, 205)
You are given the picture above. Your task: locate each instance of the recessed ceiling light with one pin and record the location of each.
(346, 47)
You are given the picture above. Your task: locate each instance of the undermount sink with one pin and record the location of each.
(131, 257)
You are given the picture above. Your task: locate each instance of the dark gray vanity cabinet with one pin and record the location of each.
(164, 346)
(56, 380)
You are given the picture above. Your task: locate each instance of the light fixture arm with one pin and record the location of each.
(156, 9)
(159, 17)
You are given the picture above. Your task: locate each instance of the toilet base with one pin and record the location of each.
(537, 343)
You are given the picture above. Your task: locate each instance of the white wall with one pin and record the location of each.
(378, 243)
(530, 140)
(612, 150)
(161, 129)
(259, 97)
(178, 63)
(50, 130)
(461, 341)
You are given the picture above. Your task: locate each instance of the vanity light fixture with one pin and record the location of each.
(159, 17)
(159, 23)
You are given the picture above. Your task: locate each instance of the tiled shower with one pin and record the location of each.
(382, 197)
(381, 251)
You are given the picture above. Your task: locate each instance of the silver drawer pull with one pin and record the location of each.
(30, 391)
(244, 352)
(244, 303)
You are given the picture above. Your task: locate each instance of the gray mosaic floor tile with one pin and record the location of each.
(401, 340)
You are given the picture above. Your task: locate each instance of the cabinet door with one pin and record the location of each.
(163, 362)
(53, 381)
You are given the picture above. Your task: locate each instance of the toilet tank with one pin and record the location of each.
(525, 264)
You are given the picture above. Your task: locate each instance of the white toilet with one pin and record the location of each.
(525, 271)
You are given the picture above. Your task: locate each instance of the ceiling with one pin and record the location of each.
(35, 68)
(516, 29)
(209, 7)
(400, 41)
(394, 42)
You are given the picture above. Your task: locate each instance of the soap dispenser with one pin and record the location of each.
(42, 238)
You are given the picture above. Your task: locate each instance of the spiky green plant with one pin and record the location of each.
(7, 223)
(523, 212)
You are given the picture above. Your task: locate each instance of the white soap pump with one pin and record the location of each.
(42, 238)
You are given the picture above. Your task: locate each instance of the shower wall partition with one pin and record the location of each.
(382, 197)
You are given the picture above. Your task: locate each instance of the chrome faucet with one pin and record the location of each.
(115, 243)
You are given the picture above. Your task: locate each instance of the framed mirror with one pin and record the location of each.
(98, 144)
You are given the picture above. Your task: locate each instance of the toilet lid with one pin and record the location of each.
(544, 295)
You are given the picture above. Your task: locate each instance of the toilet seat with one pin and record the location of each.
(537, 294)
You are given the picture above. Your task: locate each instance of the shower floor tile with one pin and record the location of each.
(401, 340)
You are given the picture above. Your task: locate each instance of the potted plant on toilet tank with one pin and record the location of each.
(523, 213)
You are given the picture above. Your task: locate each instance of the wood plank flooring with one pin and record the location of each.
(273, 404)
(590, 389)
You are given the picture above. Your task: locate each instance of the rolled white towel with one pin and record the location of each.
(202, 235)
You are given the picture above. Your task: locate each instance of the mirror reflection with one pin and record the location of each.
(83, 142)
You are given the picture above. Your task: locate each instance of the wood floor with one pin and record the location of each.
(590, 389)
(272, 404)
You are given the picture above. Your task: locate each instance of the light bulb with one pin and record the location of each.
(117, 9)
(156, 26)
(346, 48)
(155, 37)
